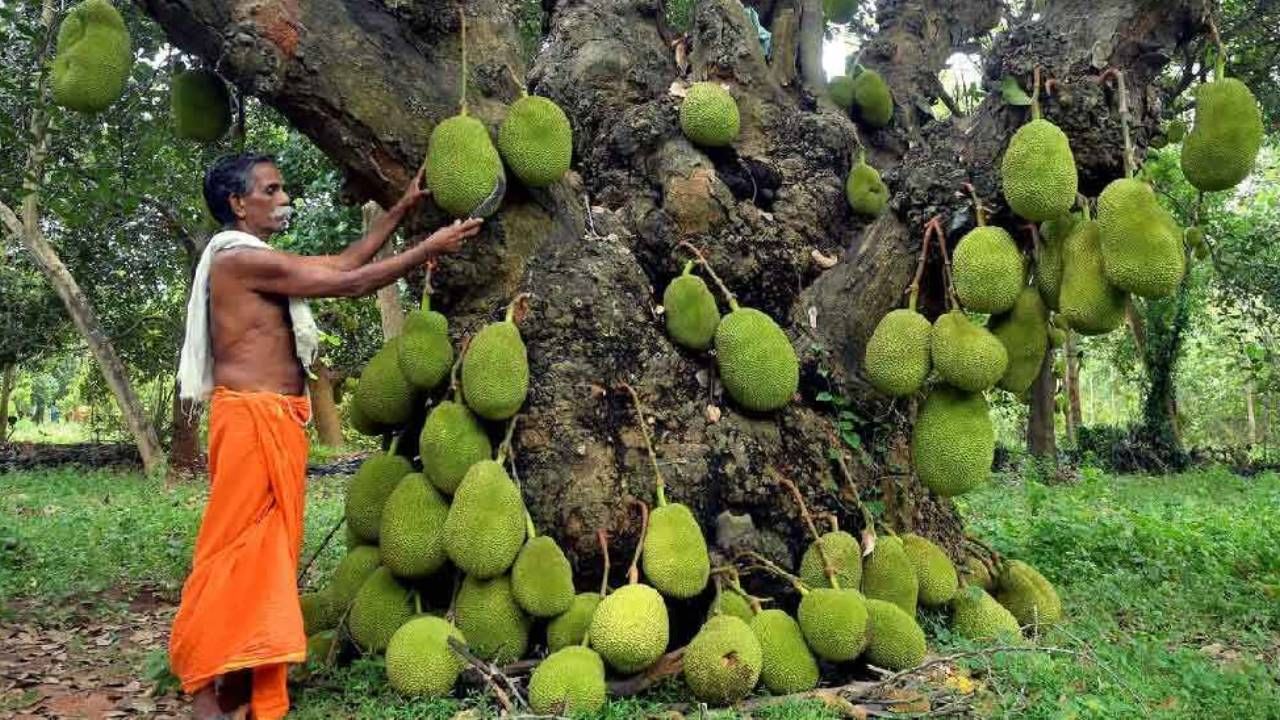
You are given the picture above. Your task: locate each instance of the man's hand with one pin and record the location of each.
(448, 239)
(415, 193)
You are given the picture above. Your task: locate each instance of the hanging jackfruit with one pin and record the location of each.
(1141, 243)
(1088, 302)
(840, 90)
(570, 682)
(199, 105)
(570, 627)
(420, 661)
(536, 141)
(368, 490)
(866, 193)
(709, 115)
(758, 366)
(424, 352)
(690, 310)
(842, 551)
(452, 440)
(379, 609)
(496, 628)
(898, 357)
(94, 57)
(542, 579)
(485, 527)
(412, 527)
(953, 442)
(462, 167)
(1024, 332)
(977, 616)
(495, 370)
(353, 569)
(674, 556)
(1224, 140)
(834, 622)
(1038, 172)
(1048, 272)
(872, 98)
(384, 395)
(966, 355)
(987, 270)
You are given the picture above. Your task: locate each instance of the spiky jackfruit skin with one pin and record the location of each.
(462, 166)
(731, 602)
(420, 662)
(935, 574)
(1028, 595)
(966, 355)
(709, 115)
(353, 569)
(758, 366)
(1220, 149)
(839, 11)
(834, 622)
(953, 442)
(1141, 243)
(1048, 272)
(485, 526)
(452, 440)
(898, 357)
(840, 89)
(1088, 302)
(412, 532)
(368, 491)
(384, 395)
(379, 609)
(690, 311)
(199, 105)
(888, 575)
(495, 372)
(722, 662)
(1024, 332)
(866, 193)
(570, 627)
(987, 270)
(1175, 131)
(895, 640)
(317, 613)
(361, 422)
(674, 557)
(977, 616)
(872, 97)
(497, 629)
(1039, 172)
(630, 628)
(424, 353)
(542, 579)
(788, 664)
(569, 682)
(842, 551)
(93, 59)
(536, 141)
(977, 573)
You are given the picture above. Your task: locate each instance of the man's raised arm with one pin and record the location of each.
(362, 251)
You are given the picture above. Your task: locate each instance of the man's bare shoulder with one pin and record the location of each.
(247, 260)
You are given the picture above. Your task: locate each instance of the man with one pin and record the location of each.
(249, 339)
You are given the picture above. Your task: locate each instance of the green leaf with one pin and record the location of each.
(1013, 93)
(824, 396)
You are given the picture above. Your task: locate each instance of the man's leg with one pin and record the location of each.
(234, 691)
(270, 692)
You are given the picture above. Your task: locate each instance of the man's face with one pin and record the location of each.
(262, 211)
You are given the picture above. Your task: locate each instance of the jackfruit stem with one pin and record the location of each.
(868, 521)
(633, 572)
(735, 585)
(827, 568)
(528, 525)
(426, 285)
(953, 301)
(504, 450)
(688, 268)
(417, 602)
(524, 93)
(454, 388)
(770, 566)
(462, 104)
(1124, 117)
(1219, 66)
(980, 212)
(520, 301)
(1035, 94)
(659, 484)
(913, 290)
(702, 259)
(603, 536)
(395, 441)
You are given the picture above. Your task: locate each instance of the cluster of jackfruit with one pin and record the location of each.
(93, 59)
(865, 94)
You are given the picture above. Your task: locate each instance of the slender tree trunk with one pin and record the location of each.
(1072, 379)
(6, 389)
(1251, 422)
(184, 426)
(1136, 328)
(1040, 436)
(323, 407)
(389, 296)
(811, 31)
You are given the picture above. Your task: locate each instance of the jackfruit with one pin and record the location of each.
(866, 193)
(934, 572)
(462, 166)
(497, 629)
(1141, 244)
(840, 89)
(953, 442)
(1028, 595)
(1048, 270)
(570, 627)
(384, 395)
(542, 579)
(317, 613)
(411, 535)
(977, 573)
(420, 661)
(690, 310)
(1088, 302)
(361, 422)
(93, 59)
(368, 491)
(352, 540)
(1057, 337)
(842, 551)
(898, 357)
(1194, 236)
(709, 115)
(353, 569)
(452, 441)
(674, 557)
(569, 682)
(888, 575)
(1024, 332)
(788, 665)
(486, 523)
(1038, 172)
(758, 366)
(977, 616)
(1223, 143)
(966, 355)
(320, 647)
(495, 371)
(424, 353)
(731, 602)
(987, 270)
(895, 640)
(380, 607)
(200, 106)
(536, 141)
(834, 622)
(722, 662)
(839, 11)
(872, 97)
(629, 628)
(1175, 131)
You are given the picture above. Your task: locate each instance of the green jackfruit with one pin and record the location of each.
(1141, 244)
(1038, 172)
(674, 557)
(866, 193)
(977, 616)
(497, 629)
(380, 607)
(94, 58)
(934, 572)
(709, 115)
(967, 355)
(1057, 337)
(840, 89)
(839, 11)
(569, 682)
(872, 97)
(317, 613)
(898, 358)
(200, 106)
(1194, 236)
(722, 662)
(542, 579)
(1048, 272)
(987, 270)
(570, 627)
(629, 628)
(420, 661)
(495, 371)
(888, 575)
(536, 141)
(1024, 332)
(953, 442)
(1220, 149)
(1088, 302)
(368, 491)
(758, 366)
(353, 569)
(895, 640)
(452, 441)
(412, 530)
(1028, 595)
(384, 395)
(485, 527)
(834, 622)
(731, 602)
(361, 422)
(424, 352)
(690, 311)
(789, 666)
(462, 167)
(842, 551)
(977, 573)
(1175, 131)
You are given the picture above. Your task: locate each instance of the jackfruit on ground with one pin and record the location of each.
(758, 366)
(486, 523)
(452, 440)
(420, 661)
(1220, 149)
(380, 607)
(384, 395)
(536, 141)
(840, 89)
(842, 551)
(934, 572)
(977, 573)
(1048, 267)
(425, 354)
(495, 371)
(497, 629)
(834, 622)
(966, 355)
(788, 664)
(462, 167)
(709, 115)
(953, 442)
(1024, 332)
(898, 357)
(1038, 172)
(353, 569)
(412, 530)
(368, 491)
(542, 579)
(690, 311)
(722, 662)
(1088, 302)
(731, 602)
(866, 192)
(987, 270)
(569, 682)
(839, 11)
(872, 97)
(629, 628)
(674, 558)
(1141, 244)
(888, 575)
(199, 105)
(93, 59)
(570, 627)
(977, 616)
(1028, 595)
(895, 640)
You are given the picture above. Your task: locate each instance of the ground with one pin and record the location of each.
(1172, 585)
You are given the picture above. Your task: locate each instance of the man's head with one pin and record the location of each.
(246, 192)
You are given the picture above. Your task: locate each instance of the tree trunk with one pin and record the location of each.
(1040, 425)
(388, 297)
(1250, 419)
(184, 426)
(324, 409)
(6, 389)
(1072, 379)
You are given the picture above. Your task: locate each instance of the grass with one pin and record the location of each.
(59, 433)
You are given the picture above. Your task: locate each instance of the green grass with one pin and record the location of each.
(59, 433)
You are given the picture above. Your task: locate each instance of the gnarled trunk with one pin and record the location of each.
(324, 408)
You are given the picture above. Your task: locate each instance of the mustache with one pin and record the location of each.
(282, 214)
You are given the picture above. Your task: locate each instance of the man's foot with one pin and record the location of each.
(235, 690)
(204, 704)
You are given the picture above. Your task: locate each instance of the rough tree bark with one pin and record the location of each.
(1072, 412)
(388, 297)
(7, 378)
(1040, 426)
(324, 407)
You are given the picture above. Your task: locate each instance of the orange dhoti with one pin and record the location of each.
(240, 604)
